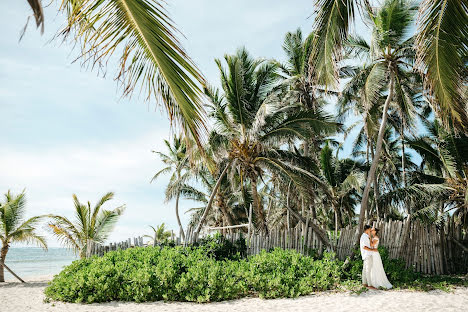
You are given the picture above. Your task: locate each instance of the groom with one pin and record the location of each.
(366, 255)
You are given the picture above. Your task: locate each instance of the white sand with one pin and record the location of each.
(29, 297)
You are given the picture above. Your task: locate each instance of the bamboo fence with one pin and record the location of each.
(425, 248)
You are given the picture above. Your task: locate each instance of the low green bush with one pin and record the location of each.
(286, 273)
(213, 273)
(191, 274)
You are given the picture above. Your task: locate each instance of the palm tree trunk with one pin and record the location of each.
(288, 218)
(376, 196)
(178, 217)
(375, 160)
(336, 224)
(258, 207)
(181, 228)
(210, 201)
(375, 188)
(322, 235)
(3, 254)
(403, 159)
(224, 210)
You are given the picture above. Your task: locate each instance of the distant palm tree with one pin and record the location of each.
(340, 185)
(13, 228)
(441, 47)
(160, 234)
(92, 225)
(152, 59)
(175, 161)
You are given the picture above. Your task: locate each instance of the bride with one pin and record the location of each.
(378, 278)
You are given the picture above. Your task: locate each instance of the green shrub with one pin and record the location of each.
(286, 273)
(208, 273)
(191, 274)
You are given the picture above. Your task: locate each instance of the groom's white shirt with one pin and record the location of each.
(365, 242)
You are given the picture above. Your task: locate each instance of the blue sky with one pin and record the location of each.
(65, 130)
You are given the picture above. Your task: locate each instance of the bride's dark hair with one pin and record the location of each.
(376, 230)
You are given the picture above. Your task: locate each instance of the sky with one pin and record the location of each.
(65, 130)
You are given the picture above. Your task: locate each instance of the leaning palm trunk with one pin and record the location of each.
(375, 160)
(258, 207)
(210, 201)
(178, 217)
(3, 254)
(222, 206)
(322, 235)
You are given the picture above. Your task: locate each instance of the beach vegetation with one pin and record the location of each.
(92, 224)
(160, 234)
(15, 228)
(196, 274)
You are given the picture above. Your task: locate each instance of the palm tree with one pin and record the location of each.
(441, 45)
(364, 95)
(13, 227)
(251, 129)
(92, 225)
(152, 59)
(296, 85)
(160, 234)
(390, 57)
(444, 162)
(342, 180)
(176, 161)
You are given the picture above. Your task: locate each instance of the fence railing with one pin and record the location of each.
(424, 247)
(286, 239)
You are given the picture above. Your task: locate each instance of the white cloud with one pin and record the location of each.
(52, 175)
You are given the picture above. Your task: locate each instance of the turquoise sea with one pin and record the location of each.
(33, 263)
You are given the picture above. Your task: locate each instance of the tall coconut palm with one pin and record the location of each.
(151, 57)
(176, 161)
(92, 225)
(441, 45)
(364, 95)
(13, 227)
(251, 129)
(390, 57)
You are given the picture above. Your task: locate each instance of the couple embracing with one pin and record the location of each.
(373, 273)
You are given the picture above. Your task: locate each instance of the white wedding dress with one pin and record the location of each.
(377, 277)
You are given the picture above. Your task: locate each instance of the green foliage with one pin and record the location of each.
(149, 274)
(286, 273)
(191, 274)
(205, 274)
(219, 248)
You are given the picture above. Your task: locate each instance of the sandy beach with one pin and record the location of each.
(17, 297)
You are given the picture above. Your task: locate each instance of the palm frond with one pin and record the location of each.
(330, 30)
(38, 12)
(152, 58)
(442, 43)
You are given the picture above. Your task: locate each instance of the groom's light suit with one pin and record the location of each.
(366, 257)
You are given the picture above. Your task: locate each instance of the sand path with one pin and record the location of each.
(16, 297)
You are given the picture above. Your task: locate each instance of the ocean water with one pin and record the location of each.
(32, 262)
